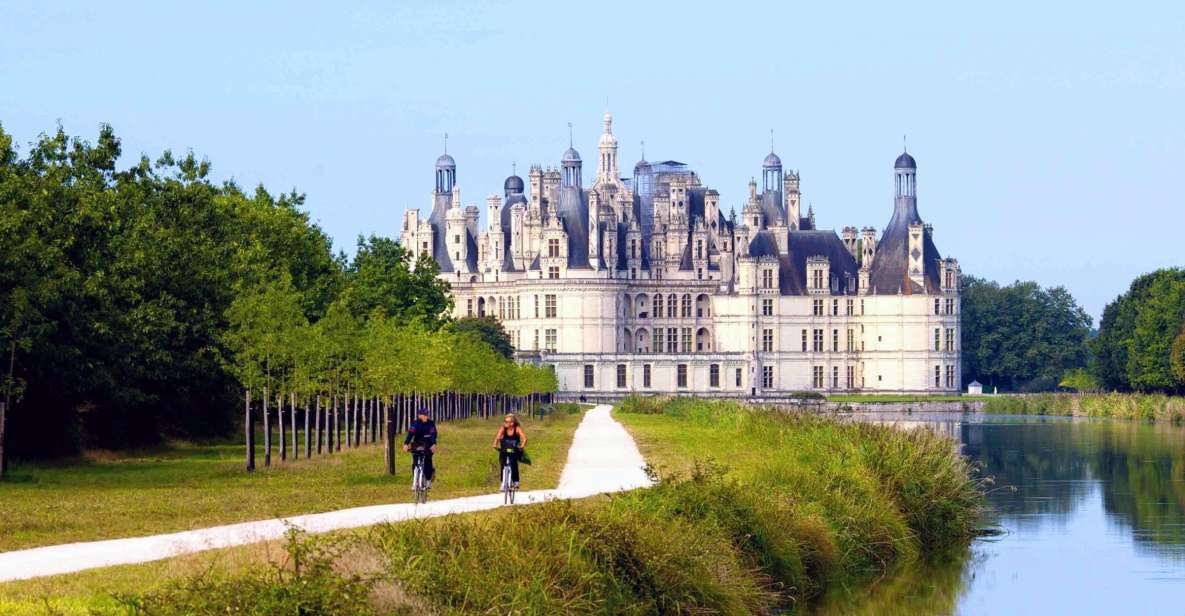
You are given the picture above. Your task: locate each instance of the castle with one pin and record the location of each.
(642, 284)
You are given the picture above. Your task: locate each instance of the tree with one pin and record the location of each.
(381, 276)
(1177, 357)
(1134, 347)
(1020, 336)
(489, 330)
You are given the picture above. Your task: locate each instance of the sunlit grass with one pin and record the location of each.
(186, 486)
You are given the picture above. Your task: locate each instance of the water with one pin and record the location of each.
(1092, 514)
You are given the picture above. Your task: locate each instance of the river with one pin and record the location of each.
(1090, 514)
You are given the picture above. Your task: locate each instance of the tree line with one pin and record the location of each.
(1022, 337)
(138, 303)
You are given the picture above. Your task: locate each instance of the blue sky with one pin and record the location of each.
(1050, 138)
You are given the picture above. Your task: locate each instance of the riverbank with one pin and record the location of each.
(1154, 407)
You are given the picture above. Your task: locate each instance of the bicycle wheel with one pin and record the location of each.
(506, 485)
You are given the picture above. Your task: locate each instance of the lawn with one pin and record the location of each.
(186, 486)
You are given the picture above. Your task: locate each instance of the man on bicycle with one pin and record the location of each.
(421, 438)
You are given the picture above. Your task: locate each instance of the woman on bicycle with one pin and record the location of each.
(510, 442)
(421, 438)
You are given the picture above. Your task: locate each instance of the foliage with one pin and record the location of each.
(1080, 379)
(489, 330)
(306, 583)
(381, 276)
(1134, 348)
(1158, 407)
(1020, 336)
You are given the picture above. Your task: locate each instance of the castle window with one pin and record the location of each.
(950, 377)
(738, 377)
(950, 305)
(851, 343)
(699, 249)
(835, 307)
(686, 340)
(767, 340)
(950, 339)
(553, 272)
(673, 340)
(767, 377)
(646, 376)
(536, 306)
(767, 279)
(469, 307)
(714, 375)
(936, 306)
(835, 377)
(456, 239)
(817, 377)
(549, 340)
(658, 306)
(937, 377)
(804, 341)
(686, 306)
(672, 305)
(682, 375)
(553, 247)
(767, 307)
(835, 341)
(424, 249)
(817, 279)
(817, 308)
(658, 340)
(818, 341)
(861, 307)
(851, 308)
(621, 376)
(936, 339)
(536, 345)
(851, 370)
(633, 249)
(549, 310)
(588, 376)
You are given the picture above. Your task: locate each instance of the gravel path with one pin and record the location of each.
(602, 458)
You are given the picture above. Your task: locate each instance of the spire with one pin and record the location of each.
(771, 140)
(608, 123)
(446, 143)
(569, 134)
(643, 149)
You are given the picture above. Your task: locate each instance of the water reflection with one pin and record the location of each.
(1094, 516)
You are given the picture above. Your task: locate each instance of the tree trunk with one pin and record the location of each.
(7, 404)
(308, 443)
(280, 421)
(249, 428)
(292, 416)
(267, 432)
(389, 439)
(317, 421)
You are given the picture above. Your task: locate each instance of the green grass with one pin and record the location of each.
(1152, 407)
(186, 486)
(902, 398)
(795, 507)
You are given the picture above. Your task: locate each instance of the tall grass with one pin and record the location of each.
(1155, 407)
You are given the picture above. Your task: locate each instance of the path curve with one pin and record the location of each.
(602, 458)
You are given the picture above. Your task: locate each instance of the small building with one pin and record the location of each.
(975, 388)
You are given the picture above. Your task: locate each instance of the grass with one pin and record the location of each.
(1152, 407)
(873, 398)
(804, 505)
(186, 486)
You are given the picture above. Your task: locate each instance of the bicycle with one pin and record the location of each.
(419, 484)
(508, 487)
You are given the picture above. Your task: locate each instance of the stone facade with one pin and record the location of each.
(643, 284)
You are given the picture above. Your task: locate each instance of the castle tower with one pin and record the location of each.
(792, 199)
(571, 164)
(607, 172)
(771, 173)
(446, 174)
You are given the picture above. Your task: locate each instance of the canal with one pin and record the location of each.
(1089, 517)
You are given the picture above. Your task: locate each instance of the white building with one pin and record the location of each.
(643, 284)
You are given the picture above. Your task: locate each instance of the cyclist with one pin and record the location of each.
(510, 442)
(421, 436)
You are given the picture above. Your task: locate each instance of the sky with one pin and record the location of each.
(1050, 137)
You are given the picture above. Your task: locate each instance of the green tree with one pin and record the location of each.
(381, 276)
(1134, 346)
(1020, 336)
(489, 330)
